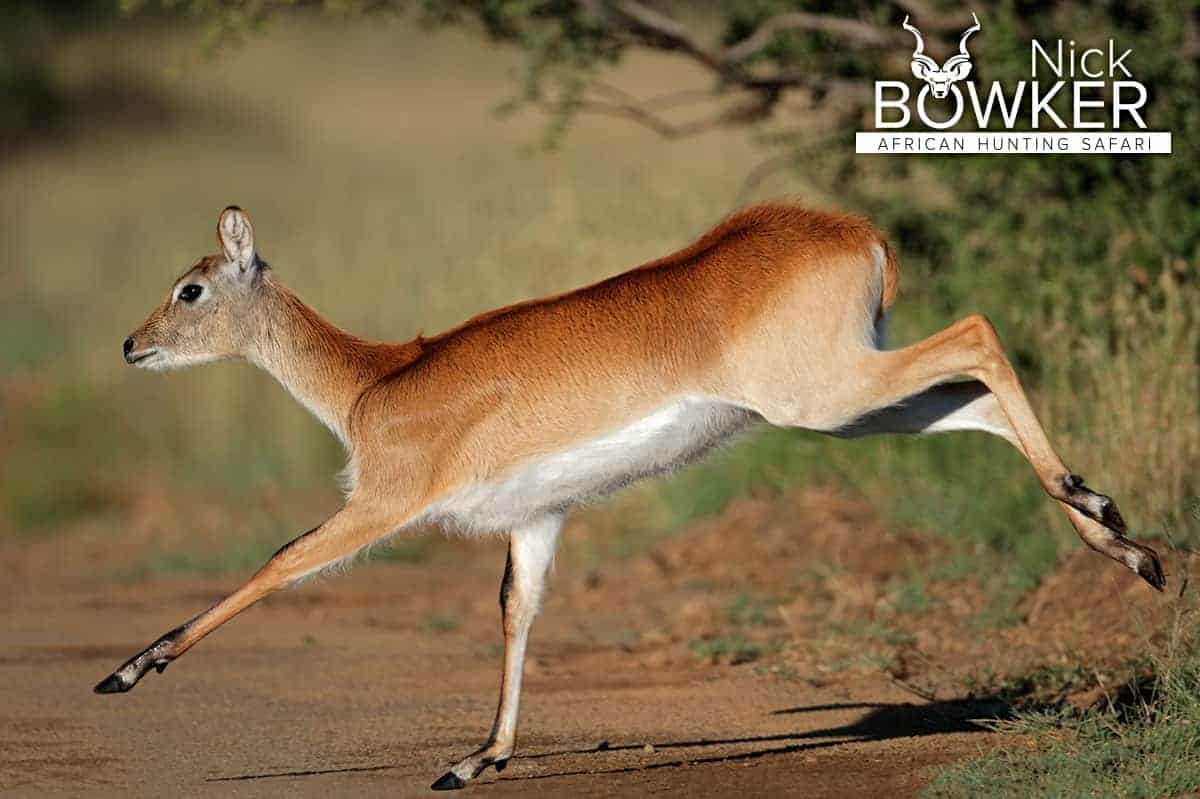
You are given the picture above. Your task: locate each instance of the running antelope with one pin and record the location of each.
(503, 424)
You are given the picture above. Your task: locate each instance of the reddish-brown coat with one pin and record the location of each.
(537, 376)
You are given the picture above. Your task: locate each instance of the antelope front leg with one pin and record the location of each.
(339, 537)
(530, 553)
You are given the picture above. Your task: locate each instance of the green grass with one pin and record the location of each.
(1143, 743)
(911, 595)
(440, 623)
(749, 610)
(864, 662)
(873, 631)
(733, 650)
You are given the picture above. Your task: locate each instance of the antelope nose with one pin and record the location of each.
(128, 348)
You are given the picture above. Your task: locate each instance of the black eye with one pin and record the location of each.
(191, 292)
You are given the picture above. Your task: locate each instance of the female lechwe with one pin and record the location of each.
(502, 425)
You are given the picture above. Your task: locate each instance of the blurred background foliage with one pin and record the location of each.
(363, 138)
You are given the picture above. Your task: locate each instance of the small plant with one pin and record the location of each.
(782, 671)
(733, 650)
(1045, 686)
(864, 662)
(746, 610)
(912, 595)
(874, 631)
(440, 623)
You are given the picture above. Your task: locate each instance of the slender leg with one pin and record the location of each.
(530, 553)
(904, 397)
(339, 537)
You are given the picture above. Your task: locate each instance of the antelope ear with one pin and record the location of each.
(236, 237)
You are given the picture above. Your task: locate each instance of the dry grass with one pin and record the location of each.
(1131, 401)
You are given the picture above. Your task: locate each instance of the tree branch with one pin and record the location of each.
(645, 26)
(647, 117)
(859, 32)
(930, 19)
(666, 33)
(757, 105)
(669, 31)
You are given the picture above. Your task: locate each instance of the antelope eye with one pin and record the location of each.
(191, 292)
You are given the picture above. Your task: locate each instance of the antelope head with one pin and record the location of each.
(210, 311)
(956, 68)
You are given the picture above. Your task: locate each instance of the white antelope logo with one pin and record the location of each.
(956, 68)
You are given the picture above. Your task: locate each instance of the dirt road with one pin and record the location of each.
(370, 684)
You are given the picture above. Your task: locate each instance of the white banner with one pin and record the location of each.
(1014, 143)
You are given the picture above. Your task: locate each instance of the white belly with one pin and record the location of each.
(666, 439)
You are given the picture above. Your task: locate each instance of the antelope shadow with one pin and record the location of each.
(881, 722)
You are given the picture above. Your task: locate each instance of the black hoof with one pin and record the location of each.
(449, 782)
(111, 685)
(500, 764)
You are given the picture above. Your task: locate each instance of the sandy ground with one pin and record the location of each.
(346, 687)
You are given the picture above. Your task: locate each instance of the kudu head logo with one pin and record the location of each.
(956, 68)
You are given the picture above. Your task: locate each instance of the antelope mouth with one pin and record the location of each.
(140, 357)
